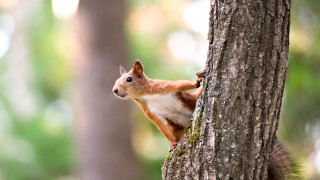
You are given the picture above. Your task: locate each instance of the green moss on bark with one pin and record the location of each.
(194, 137)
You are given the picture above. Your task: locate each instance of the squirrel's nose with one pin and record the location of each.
(115, 91)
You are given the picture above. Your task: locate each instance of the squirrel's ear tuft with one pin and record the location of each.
(122, 70)
(138, 68)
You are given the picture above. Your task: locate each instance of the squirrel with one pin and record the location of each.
(169, 105)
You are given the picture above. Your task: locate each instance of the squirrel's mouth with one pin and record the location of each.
(121, 96)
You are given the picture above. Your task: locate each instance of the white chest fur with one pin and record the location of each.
(168, 106)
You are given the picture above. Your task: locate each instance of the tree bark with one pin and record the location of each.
(103, 124)
(234, 125)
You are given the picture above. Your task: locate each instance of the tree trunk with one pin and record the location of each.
(103, 123)
(234, 126)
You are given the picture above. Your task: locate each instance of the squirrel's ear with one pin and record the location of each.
(138, 68)
(122, 70)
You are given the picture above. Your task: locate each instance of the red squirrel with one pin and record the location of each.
(169, 105)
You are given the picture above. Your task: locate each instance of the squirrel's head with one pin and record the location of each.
(131, 84)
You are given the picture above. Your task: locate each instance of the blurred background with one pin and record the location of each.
(60, 58)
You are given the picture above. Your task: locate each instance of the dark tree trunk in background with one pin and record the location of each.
(236, 118)
(103, 123)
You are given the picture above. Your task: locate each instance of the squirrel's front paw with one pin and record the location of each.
(200, 75)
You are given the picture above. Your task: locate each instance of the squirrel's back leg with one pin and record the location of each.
(188, 99)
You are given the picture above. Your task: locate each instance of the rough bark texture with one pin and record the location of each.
(103, 123)
(235, 122)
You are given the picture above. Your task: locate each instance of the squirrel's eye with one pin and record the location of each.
(129, 79)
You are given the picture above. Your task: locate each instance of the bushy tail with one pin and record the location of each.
(282, 165)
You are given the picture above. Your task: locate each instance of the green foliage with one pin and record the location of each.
(37, 145)
(302, 93)
(300, 111)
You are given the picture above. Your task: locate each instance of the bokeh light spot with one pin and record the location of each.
(63, 9)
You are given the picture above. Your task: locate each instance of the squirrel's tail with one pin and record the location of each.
(282, 165)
